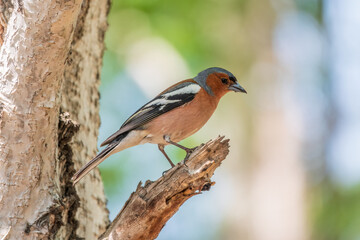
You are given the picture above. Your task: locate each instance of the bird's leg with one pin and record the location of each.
(187, 150)
(161, 148)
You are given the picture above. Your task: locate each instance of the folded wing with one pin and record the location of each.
(174, 97)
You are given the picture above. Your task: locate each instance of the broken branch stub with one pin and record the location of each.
(152, 205)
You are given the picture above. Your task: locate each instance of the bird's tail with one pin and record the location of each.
(96, 160)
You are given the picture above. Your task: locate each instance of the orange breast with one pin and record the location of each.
(183, 121)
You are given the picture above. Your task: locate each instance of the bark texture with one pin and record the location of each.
(80, 98)
(151, 206)
(36, 155)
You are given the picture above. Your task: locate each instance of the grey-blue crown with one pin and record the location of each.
(202, 76)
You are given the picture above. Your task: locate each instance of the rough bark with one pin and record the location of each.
(36, 199)
(151, 206)
(80, 98)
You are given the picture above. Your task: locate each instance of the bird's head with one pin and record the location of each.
(218, 81)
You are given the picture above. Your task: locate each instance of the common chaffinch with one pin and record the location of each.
(173, 115)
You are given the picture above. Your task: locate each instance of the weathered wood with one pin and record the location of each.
(152, 205)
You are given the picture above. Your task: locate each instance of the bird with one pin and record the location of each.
(173, 115)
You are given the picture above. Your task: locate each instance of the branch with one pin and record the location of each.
(152, 205)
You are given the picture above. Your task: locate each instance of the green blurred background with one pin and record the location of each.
(293, 171)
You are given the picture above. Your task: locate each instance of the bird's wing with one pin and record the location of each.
(171, 98)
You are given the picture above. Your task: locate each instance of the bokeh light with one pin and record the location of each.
(293, 171)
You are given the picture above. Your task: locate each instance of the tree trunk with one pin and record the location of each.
(50, 60)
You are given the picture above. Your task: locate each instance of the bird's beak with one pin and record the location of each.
(237, 88)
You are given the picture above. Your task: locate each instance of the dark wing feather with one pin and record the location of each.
(150, 111)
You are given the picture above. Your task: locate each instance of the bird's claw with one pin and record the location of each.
(164, 172)
(188, 153)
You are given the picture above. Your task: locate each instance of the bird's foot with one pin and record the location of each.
(189, 151)
(164, 172)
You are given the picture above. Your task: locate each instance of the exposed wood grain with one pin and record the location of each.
(152, 205)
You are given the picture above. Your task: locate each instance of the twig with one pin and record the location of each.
(152, 205)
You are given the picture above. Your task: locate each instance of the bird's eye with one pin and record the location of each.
(224, 80)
